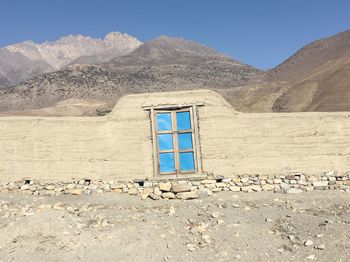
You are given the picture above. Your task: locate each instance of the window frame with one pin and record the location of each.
(173, 109)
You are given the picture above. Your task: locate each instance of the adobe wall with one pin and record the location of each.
(119, 146)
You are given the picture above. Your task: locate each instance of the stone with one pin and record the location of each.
(284, 186)
(221, 185)
(235, 188)
(25, 187)
(169, 195)
(165, 186)
(294, 191)
(157, 191)
(321, 247)
(311, 257)
(187, 195)
(133, 191)
(177, 188)
(268, 187)
(208, 181)
(154, 196)
(50, 187)
(308, 243)
(145, 195)
(58, 206)
(215, 214)
(277, 181)
(76, 191)
(191, 247)
(320, 184)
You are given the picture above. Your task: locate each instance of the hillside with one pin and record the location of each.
(159, 65)
(316, 78)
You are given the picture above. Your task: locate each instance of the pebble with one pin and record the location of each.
(308, 243)
(311, 257)
(215, 214)
(321, 247)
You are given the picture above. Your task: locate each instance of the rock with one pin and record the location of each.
(294, 191)
(308, 243)
(58, 206)
(280, 250)
(220, 221)
(178, 188)
(154, 196)
(76, 191)
(165, 186)
(285, 186)
(50, 187)
(235, 188)
(145, 195)
(215, 214)
(221, 185)
(208, 181)
(268, 187)
(169, 195)
(133, 191)
(320, 184)
(311, 257)
(321, 247)
(191, 247)
(157, 192)
(187, 195)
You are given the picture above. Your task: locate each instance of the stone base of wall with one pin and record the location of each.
(184, 188)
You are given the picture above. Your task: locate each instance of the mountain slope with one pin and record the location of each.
(24, 60)
(316, 78)
(162, 64)
(312, 56)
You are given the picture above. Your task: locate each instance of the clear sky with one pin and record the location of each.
(259, 32)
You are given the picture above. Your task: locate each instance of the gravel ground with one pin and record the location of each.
(224, 227)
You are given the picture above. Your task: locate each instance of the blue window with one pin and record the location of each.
(185, 141)
(164, 121)
(176, 154)
(183, 120)
(186, 161)
(167, 162)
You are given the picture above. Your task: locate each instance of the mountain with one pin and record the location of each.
(162, 64)
(316, 78)
(312, 56)
(27, 59)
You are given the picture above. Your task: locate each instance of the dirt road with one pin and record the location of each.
(263, 226)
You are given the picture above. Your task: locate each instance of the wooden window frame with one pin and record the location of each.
(173, 109)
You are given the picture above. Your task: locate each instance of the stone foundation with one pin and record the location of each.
(184, 188)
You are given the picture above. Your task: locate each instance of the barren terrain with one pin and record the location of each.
(224, 227)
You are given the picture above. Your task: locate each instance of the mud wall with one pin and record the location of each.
(119, 146)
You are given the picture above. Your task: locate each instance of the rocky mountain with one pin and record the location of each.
(162, 64)
(316, 78)
(25, 60)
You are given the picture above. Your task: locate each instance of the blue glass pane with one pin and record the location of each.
(167, 163)
(183, 120)
(164, 121)
(185, 141)
(165, 142)
(186, 161)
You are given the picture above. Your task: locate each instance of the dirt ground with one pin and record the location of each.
(224, 227)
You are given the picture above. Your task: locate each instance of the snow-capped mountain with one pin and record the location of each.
(65, 51)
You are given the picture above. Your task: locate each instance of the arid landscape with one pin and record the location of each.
(316, 78)
(206, 131)
(265, 226)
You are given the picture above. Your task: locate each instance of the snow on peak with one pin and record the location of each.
(62, 52)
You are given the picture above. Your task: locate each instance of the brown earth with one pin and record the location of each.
(225, 227)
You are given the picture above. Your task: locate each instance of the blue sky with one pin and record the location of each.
(261, 33)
